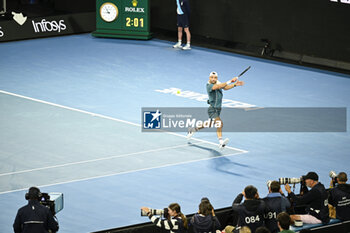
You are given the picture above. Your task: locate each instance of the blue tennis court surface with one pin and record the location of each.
(70, 122)
(56, 136)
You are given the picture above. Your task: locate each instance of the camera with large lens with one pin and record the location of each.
(294, 180)
(290, 180)
(333, 175)
(163, 212)
(268, 183)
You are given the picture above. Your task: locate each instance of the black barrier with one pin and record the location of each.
(224, 217)
(36, 27)
(337, 227)
(151, 228)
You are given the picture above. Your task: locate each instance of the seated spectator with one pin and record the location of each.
(339, 197)
(276, 203)
(205, 220)
(315, 200)
(283, 222)
(251, 212)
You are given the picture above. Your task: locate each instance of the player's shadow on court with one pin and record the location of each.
(213, 153)
(227, 166)
(222, 164)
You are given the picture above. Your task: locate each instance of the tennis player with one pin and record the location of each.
(214, 89)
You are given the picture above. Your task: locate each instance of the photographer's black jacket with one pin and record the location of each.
(34, 218)
(174, 224)
(316, 200)
(205, 224)
(339, 197)
(250, 212)
(275, 204)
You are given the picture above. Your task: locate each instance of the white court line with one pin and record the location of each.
(95, 160)
(121, 173)
(118, 120)
(107, 117)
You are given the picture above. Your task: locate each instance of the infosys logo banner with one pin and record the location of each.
(49, 26)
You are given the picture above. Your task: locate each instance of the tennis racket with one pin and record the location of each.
(243, 72)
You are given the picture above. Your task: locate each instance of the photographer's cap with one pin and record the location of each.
(311, 176)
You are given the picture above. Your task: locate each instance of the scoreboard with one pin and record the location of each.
(123, 19)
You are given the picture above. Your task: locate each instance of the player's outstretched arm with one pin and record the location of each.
(234, 84)
(219, 86)
(224, 85)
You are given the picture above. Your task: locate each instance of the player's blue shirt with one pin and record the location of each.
(215, 96)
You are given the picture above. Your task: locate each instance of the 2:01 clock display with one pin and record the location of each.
(134, 22)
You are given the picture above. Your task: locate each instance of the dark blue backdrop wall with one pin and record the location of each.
(317, 28)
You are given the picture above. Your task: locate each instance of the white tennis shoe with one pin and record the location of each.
(177, 45)
(223, 143)
(187, 47)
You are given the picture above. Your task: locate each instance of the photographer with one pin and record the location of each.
(316, 200)
(34, 217)
(205, 220)
(251, 212)
(175, 221)
(276, 203)
(339, 197)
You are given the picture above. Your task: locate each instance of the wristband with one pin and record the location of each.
(228, 82)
